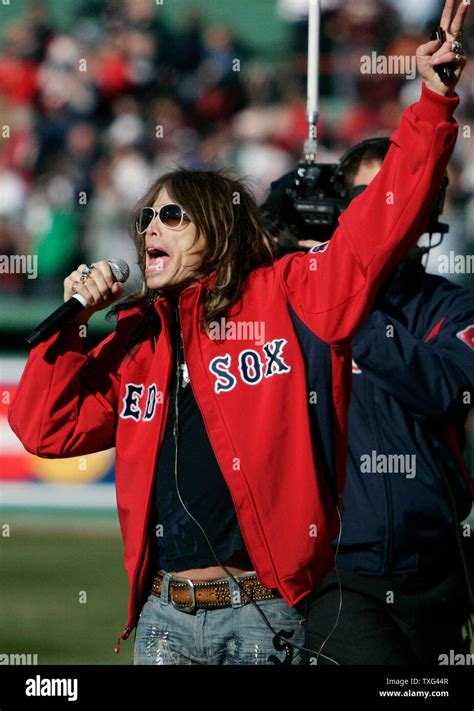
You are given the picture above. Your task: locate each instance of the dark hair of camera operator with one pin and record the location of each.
(363, 165)
(405, 564)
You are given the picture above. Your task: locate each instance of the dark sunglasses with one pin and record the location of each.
(172, 216)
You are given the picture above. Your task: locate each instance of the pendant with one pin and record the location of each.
(184, 375)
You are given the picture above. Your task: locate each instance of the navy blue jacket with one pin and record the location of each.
(413, 380)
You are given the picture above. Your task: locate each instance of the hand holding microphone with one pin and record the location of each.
(96, 286)
(88, 289)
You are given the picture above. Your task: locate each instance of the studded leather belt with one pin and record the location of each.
(190, 595)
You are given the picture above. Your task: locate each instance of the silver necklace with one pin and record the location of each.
(183, 368)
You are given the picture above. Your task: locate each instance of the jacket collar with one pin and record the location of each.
(205, 283)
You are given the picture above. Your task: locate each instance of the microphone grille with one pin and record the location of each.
(120, 269)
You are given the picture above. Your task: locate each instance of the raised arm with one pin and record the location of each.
(331, 288)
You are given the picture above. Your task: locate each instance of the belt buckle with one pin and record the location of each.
(186, 608)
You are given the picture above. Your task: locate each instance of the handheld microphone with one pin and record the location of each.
(67, 311)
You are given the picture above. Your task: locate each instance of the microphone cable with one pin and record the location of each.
(277, 635)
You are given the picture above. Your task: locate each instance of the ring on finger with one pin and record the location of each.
(457, 35)
(84, 274)
(458, 58)
(457, 47)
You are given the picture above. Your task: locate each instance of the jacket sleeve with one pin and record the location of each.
(66, 401)
(429, 377)
(331, 288)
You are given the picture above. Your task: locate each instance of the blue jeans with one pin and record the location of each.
(231, 635)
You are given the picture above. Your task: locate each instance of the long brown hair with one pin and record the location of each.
(223, 209)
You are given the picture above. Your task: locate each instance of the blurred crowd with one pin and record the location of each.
(90, 117)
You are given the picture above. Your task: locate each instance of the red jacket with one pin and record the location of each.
(275, 411)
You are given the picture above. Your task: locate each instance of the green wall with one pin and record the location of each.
(255, 21)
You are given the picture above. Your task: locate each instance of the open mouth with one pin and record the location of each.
(154, 252)
(157, 259)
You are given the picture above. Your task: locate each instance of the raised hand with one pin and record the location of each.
(436, 52)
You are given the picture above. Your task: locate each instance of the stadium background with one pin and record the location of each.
(159, 87)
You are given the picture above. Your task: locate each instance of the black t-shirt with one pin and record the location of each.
(180, 542)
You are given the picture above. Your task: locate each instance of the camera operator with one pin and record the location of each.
(404, 562)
